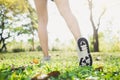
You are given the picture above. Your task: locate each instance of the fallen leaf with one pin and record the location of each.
(100, 68)
(98, 58)
(18, 68)
(57, 55)
(92, 78)
(54, 74)
(46, 76)
(2, 58)
(36, 61)
(40, 77)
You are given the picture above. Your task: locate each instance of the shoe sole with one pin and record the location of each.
(86, 56)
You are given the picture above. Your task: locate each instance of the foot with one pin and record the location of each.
(84, 53)
(46, 59)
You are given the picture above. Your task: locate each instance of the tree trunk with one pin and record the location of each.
(4, 48)
(3, 44)
(95, 41)
(95, 29)
(32, 42)
(2, 40)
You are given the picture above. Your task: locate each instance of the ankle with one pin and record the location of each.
(46, 58)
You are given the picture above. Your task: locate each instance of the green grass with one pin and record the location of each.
(108, 68)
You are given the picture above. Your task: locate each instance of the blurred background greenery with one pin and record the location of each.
(18, 27)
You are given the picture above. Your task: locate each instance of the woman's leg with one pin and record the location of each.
(65, 11)
(83, 52)
(41, 8)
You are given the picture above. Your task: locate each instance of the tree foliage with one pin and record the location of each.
(16, 17)
(33, 25)
(14, 5)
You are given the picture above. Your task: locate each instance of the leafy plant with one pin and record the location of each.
(63, 66)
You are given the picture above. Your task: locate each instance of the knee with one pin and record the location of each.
(65, 13)
(43, 19)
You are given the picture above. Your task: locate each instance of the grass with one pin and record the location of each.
(20, 66)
